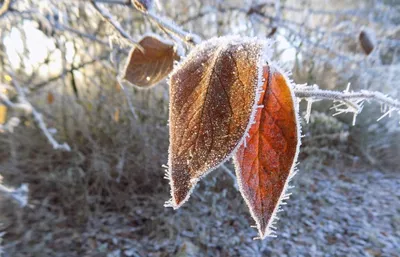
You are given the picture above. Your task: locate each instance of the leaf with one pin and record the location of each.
(50, 98)
(212, 100)
(7, 77)
(116, 115)
(367, 40)
(144, 69)
(265, 164)
(3, 114)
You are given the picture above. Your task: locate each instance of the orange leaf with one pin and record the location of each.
(144, 69)
(212, 100)
(3, 114)
(265, 164)
(116, 115)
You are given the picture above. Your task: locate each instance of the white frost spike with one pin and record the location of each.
(308, 112)
(385, 114)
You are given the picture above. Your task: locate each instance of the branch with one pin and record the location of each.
(20, 195)
(128, 97)
(5, 7)
(110, 20)
(64, 72)
(335, 95)
(4, 99)
(119, 2)
(37, 116)
(349, 101)
(189, 38)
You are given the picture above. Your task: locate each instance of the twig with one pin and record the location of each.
(128, 97)
(20, 195)
(120, 2)
(64, 72)
(37, 116)
(189, 38)
(341, 96)
(5, 7)
(110, 20)
(4, 99)
(350, 101)
(230, 173)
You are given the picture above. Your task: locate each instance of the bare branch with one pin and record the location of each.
(341, 96)
(348, 101)
(128, 97)
(189, 38)
(37, 116)
(4, 99)
(20, 195)
(110, 20)
(5, 7)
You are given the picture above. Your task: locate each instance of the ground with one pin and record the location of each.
(332, 212)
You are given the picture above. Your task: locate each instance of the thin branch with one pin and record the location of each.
(231, 175)
(349, 102)
(5, 7)
(64, 72)
(110, 20)
(189, 38)
(128, 97)
(4, 99)
(20, 195)
(119, 2)
(342, 96)
(37, 116)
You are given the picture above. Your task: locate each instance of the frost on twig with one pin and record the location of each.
(20, 195)
(117, 27)
(28, 109)
(176, 31)
(347, 101)
(11, 124)
(123, 86)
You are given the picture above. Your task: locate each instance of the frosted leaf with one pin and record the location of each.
(367, 40)
(145, 69)
(266, 163)
(212, 102)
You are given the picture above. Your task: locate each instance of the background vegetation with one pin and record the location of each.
(105, 197)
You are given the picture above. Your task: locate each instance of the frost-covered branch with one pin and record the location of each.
(110, 20)
(189, 38)
(348, 101)
(27, 107)
(20, 195)
(4, 99)
(5, 7)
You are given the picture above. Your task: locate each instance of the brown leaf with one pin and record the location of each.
(212, 100)
(265, 164)
(367, 41)
(50, 98)
(144, 69)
